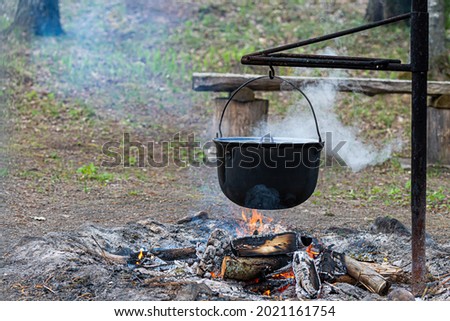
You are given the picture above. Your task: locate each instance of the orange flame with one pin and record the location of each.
(140, 256)
(267, 292)
(254, 224)
(284, 275)
(311, 251)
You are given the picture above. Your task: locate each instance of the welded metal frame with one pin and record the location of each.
(418, 66)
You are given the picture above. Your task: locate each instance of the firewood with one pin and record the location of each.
(345, 279)
(114, 258)
(174, 254)
(111, 258)
(368, 277)
(307, 281)
(265, 245)
(217, 247)
(285, 269)
(393, 274)
(249, 268)
(273, 285)
(331, 265)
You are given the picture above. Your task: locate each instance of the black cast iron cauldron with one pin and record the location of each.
(268, 172)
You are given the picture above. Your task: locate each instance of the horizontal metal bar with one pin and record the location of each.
(332, 35)
(323, 63)
(350, 58)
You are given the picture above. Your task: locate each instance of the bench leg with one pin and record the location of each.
(242, 117)
(438, 152)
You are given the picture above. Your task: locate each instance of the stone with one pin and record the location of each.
(400, 294)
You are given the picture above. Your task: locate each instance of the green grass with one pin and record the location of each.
(3, 172)
(90, 172)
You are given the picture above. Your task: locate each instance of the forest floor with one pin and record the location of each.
(126, 67)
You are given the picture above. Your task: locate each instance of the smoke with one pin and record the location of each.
(299, 123)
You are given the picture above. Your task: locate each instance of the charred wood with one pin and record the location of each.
(174, 254)
(265, 245)
(284, 270)
(307, 281)
(217, 247)
(249, 268)
(273, 285)
(331, 265)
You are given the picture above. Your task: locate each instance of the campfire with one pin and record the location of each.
(198, 258)
(270, 263)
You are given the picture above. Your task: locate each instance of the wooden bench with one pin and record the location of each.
(245, 112)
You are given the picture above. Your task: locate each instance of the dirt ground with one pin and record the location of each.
(43, 189)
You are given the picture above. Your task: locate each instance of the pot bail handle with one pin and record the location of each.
(271, 76)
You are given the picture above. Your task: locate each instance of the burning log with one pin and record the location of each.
(307, 281)
(249, 268)
(265, 245)
(155, 254)
(368, 277)
(174, 254)
(271, 286)
(285, 270)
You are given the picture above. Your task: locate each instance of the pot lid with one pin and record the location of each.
(267, 140)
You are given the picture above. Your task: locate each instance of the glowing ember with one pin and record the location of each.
(312, 252)
(284, 275)
(267, 292)
(215, 276)
(255, 223)
(283, 288)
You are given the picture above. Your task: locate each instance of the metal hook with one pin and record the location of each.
(271, 72)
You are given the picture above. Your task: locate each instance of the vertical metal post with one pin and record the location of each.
(419, 67)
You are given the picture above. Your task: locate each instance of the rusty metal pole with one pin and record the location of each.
(419, 68)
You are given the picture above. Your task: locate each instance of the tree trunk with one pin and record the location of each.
(439, 62)
(374, 10)
(38, 17)
(383, 9)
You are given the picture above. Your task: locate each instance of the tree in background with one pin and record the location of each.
(383, 9)
(38, 17)
(438, 9)
(439, 58)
